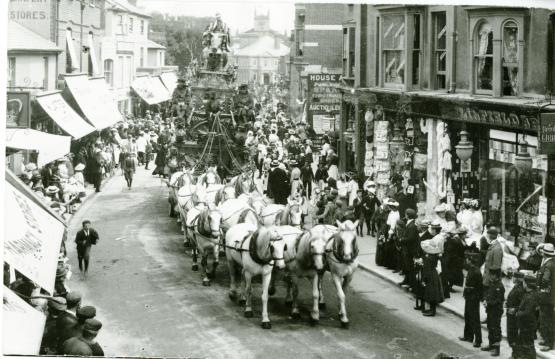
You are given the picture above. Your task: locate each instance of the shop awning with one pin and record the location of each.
(22, 326)
(60, 111)
(95, 100)
(169, 79)
(50, 147)
(32, 238)
(151, 89)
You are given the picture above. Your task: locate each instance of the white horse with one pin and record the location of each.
(304, 257)
(206, 240)
(271, 214)
(341, 259)
(235, 211)
(256, 251)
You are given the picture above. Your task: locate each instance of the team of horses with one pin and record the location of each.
(261, 238)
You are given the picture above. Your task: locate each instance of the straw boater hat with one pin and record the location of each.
(546, 249)
(274, 163)
(435, 224)
(440, 208)
(52, 190)
(392, 203)
(80, 167)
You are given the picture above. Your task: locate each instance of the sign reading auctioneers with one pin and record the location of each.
(32, 238)
(324, 99)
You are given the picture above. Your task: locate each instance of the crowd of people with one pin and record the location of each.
(433, 254)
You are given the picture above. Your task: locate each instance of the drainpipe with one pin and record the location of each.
(81, 37)
(453, 51)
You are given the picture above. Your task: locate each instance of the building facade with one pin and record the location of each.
(260, 53)
(315, 47)
(447, 102)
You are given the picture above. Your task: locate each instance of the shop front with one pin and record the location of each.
(442, 148)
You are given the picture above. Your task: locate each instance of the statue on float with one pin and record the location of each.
(216, 41)
(181, 99)
(244, 105)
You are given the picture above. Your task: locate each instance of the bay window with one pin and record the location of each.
(393, 49)
(401, 48)
(483, 54)
(439, 55)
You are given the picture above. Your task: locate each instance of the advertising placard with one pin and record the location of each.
(18, 109)
(324, 96)
(547, 133)
(32, 238)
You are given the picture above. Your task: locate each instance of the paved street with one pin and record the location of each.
(152, 304)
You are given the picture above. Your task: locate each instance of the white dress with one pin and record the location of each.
(353, 188)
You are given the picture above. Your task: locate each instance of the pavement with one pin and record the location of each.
(152, 304)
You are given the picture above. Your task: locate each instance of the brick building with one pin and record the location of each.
(447, 102)
(316, 46)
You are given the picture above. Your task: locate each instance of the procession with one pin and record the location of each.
(279, 195)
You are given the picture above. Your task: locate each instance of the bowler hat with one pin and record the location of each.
(493, 230)
(410, 213)
(52, 190)
(86, 312)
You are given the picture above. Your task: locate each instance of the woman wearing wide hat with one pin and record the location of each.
(433, 290)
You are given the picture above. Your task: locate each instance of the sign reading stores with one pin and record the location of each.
(324, 93)
(34, 14)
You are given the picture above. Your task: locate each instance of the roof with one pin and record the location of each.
(125, 6)
(154, 45)
(264, 46)
(27, 40)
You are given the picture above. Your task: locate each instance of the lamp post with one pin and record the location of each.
(523, 160)
(464, 152)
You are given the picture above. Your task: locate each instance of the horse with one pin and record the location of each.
(304, 257)
(236, 210)
(206, 242)
(271, 214)
(341, 260)
(257, 251)
(291, 215)
(225, 193)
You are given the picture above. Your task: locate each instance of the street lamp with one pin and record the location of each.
(523, 160)
(464, 148)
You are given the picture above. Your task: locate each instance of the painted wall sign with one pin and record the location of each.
(33, 14)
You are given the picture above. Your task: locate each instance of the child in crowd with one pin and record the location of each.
(493, 299)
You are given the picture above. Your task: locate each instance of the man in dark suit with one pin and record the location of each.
(84, 239)
(545, 277)
(278, 184)
(409, 246)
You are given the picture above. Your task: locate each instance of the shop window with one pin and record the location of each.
(108, 72)
(11, 71)
(510, 59)
(416, 50)
(484, 58)
(440, 49)
(393, 50)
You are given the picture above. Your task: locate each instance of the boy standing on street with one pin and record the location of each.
(526, 320)
(472, 293)
(514, 298)
(494, 297)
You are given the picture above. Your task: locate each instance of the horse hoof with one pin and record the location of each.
(266, 325)
(296, 316)
(206, 283)
(322, 306)
(194, 268)
(248, 314)
(271, 291)
(288, 303)
(345, 325)
(313, 322)
(242, 302)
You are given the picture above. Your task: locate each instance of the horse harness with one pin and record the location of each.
(336, 249)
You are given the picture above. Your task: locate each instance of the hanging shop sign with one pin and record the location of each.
(18, 110)
(323, 93)
(32, 238)
(547, 134)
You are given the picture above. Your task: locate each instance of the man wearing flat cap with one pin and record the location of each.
(68, 318)
(89, 334)
(494, 255)
(526, 319)
(83, 313)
